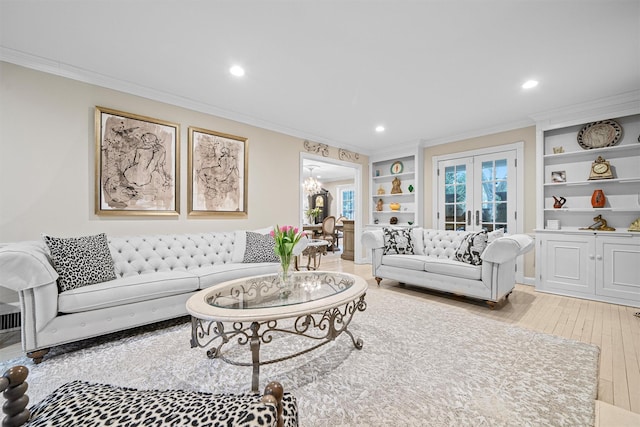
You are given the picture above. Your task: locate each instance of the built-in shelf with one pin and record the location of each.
(574, 210)
(595, 181)
(587, 154)
(577, 253)
(383, 177)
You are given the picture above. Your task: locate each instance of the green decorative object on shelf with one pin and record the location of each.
(410, 188)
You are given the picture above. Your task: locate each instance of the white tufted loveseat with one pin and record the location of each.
(433, 263)
(155, 275)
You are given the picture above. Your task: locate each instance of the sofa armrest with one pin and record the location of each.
(507, 248)
(372, 239)
(25, 266)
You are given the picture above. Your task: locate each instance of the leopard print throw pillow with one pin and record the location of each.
(80, 261)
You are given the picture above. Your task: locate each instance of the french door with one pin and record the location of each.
(478, 192)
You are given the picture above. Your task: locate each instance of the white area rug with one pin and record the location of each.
(423, 364)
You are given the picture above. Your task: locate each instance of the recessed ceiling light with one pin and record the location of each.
(237, 71)
(379, 128)
(529, 84)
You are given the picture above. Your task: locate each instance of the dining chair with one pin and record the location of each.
(328, 231)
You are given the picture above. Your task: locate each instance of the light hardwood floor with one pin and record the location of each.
(613, 328)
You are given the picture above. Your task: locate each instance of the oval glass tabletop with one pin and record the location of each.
(261, 298)
(267, 292)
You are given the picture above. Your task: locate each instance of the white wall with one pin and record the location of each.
(47, 161)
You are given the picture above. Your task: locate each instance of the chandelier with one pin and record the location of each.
(311, 185)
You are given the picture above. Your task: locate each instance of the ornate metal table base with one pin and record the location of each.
(323, 327)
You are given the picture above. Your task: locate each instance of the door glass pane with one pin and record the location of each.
(455, 197)
(494, 193)
(487, 212)
(487, 171)
(501, 169)
(449, 193)
(501, 212)
(461, 212)
(501, 191)
(449, 173)
(448, 213)
(461, 193)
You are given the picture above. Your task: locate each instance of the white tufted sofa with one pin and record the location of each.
(156, 274)
(433, 264)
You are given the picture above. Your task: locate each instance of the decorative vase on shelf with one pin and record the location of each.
(598, 199)
(410, 188)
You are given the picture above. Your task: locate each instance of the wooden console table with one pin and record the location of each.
(348, 232)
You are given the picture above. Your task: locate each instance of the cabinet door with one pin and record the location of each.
(618, 267)
(568, 264)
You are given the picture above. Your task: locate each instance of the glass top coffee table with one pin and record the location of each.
(318, 305)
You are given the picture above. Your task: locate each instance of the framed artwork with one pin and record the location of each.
(217, 180)
(137, 164)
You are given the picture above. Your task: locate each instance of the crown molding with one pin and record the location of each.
(620, 105)
(477, 133)
(86, 76)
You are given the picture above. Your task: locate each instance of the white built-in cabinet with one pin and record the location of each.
(590, 265)
(405, 169)
(570, 258)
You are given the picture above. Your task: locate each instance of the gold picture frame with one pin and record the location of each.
(137, 162)
(217, 180)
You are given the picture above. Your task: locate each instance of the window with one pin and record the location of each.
(346, 200)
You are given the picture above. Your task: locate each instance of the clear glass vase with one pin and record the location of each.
(285, 272)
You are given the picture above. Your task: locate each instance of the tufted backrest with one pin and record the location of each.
(146, 254)
(440, 243)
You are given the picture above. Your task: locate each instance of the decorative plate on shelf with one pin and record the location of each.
(604, 133)
(397, 167)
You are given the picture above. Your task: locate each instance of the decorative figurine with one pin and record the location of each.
(635, 225)
(395, 186)
(559, 202)
(600, 224)
(379, 205)
(558, 150)
(380, 190)
(393, 220)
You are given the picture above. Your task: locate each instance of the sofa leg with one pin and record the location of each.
(378, 280)
(37, 355)
(491, 304)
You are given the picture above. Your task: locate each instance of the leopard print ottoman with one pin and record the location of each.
(80, 403)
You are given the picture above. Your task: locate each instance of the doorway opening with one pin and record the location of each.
(340, 193)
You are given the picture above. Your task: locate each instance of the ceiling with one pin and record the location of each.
(331, 71)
